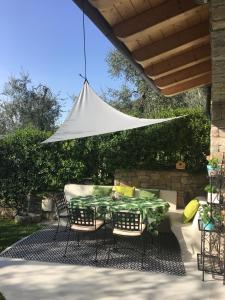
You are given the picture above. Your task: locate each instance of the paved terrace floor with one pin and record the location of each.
(29, 280)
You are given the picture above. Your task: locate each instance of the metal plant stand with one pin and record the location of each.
(211, 260)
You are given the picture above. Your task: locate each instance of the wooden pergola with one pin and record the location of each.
(168, 40)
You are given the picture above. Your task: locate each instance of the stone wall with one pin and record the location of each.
(187, 185)
(217, 20)
(35, 207)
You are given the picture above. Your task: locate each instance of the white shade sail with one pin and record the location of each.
(91, 116)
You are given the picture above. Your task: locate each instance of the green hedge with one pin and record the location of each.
(27, 165)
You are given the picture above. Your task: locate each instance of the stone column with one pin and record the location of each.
(217, 19)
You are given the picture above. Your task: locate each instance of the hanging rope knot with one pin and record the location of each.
(85, 79)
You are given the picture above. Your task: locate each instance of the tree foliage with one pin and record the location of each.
(22, 104)
(27, 166)
(135, 95)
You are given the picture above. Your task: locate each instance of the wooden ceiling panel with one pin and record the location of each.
(154, 3)
(160, 17)
(141, 5)
(165, 29)
(125, 8)
(179, 62)
(184, 75)
(108, 10)
(144, 40)
(188, 85)
(101, 4)
(115, 11)
(173, 44)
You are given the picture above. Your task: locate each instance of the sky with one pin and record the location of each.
(44, 38)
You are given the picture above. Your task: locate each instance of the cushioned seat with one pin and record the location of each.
(129, 232)
(99, 223)
(83, 220)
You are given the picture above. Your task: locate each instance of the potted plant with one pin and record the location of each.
(213, 166)
(210, 217)
(47, 203)
(213, 195)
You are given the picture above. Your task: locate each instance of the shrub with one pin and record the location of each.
(27, 166)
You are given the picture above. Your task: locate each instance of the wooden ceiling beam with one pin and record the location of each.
(188, 85)
(174, 43)
(164, 13)
(184, 75)
(101, 4)
(179, 62)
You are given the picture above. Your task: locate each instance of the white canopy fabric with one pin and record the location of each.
(91, 116)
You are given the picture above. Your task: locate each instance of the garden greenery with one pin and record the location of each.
(27, 166)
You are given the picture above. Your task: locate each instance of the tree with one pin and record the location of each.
(23, 104)
(137, 97)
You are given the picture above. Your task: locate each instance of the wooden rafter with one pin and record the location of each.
(157, 16)
(184, 75)
(188, 85)
(174, 43)
(179, 62)
(102, 4)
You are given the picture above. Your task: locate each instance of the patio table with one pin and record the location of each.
(152, 210)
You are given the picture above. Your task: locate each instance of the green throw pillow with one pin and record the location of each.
(146, 194)
(152, 191)
(101, 191)
(190, 210)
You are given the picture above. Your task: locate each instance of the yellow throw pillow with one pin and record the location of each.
(190, 210)
(124, 190)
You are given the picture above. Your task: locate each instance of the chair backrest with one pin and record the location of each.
(127, 221)
(82, 216)
(61, 203)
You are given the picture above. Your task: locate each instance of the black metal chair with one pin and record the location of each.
(84, 220)
(127, 225)
(62, 211)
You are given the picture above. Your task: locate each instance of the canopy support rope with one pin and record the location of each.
(84, 46)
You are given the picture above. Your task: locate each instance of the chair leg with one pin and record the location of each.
(109, 251)
(115, 248)
(104, 235)
(57, 230)
(66, 224)
(143, 250)
(78, 239)
(96, 248)
(75, 235)
(67, 242)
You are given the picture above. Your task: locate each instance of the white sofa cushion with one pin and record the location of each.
(74, 190)
(170, 197)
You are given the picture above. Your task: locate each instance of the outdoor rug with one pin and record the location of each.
(162, 251)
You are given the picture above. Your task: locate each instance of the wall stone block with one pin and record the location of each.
(180, 181)
(214, 131)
